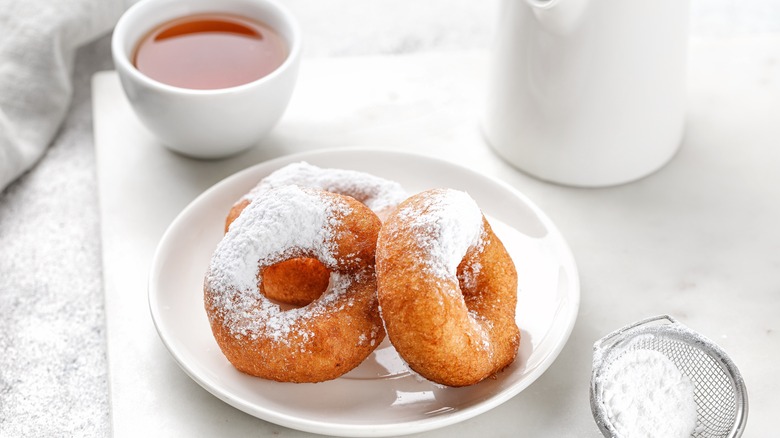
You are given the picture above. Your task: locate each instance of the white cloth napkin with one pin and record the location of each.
(38, 42)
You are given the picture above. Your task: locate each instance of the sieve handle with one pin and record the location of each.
(610, 338)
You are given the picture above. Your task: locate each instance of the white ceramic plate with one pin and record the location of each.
(380, 397)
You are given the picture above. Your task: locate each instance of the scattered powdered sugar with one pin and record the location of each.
(468, 277)
(376, 193)
(482, 326)
(447, 224)
(278, 224)
(444, 225)
(277, 325)
(646, 395)
(369, 339)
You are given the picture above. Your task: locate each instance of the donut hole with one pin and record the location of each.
(296, 282)
(468, 275)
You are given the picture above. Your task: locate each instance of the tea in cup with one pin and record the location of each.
(208, 78)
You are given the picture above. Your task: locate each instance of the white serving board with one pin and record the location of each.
(421, 103)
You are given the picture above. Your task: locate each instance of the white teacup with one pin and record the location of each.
(206, 123)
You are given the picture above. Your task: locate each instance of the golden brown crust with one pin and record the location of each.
(324, 350)
(338, 331)
(234, 212)
(452, 332)
(297, 281)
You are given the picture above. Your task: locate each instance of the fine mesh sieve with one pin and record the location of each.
(719, 391)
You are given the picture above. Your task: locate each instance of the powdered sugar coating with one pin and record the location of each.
(277, 225)
(376, 193)
(447, 225)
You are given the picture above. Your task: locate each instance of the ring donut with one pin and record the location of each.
(317, 342)
(299, 281)
(378, 194)
(447, 289)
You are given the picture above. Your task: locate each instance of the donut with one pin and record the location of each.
(447, 289)
(300, 281)
(378, 194)
(319, 341)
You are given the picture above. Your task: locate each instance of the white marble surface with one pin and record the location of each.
(412, 103)
(697, 240)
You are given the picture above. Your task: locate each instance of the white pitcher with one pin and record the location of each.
(588, 92)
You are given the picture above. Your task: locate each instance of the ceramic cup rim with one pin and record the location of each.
(120, 41)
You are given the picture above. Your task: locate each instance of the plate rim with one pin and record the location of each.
(341, 429)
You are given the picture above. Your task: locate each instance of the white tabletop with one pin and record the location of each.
(697, 240)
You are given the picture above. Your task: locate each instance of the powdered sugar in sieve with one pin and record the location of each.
(657, 377)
